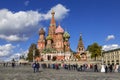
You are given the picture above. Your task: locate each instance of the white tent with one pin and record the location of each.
(22, 61)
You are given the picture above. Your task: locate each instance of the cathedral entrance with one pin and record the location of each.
(83, 56)
(54, 58)
(49, 57)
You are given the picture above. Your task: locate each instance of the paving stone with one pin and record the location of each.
(26, 73)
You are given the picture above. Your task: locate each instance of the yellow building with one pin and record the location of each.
(112, 56)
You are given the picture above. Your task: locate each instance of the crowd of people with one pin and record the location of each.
(82, 68)
(78, 67)
(112, 68)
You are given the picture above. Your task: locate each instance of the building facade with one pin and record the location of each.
(112, 57)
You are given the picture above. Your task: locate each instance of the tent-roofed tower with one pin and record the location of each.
(52, 28)
(80, 47)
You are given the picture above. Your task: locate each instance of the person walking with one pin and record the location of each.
(106, 69)
(37, 67)
(111, 68)
(95, 68)
(34, 65)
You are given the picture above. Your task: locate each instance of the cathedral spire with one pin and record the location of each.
(52, 23)
(80, 38)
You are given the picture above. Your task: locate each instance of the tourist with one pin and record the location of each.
(106, 69)
(34, 66)
(95, 68)
(76, 66)
(4, 64)
(111, 68)
(13, 64)
(49, 66)
(37, 67)
(56, 66)
(115, 68)
(119, 68)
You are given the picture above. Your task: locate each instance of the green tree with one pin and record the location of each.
(48, 50)
(37, 53)
(33, 51)
(95, 50)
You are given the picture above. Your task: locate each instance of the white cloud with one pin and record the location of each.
(26, 3)
(110, 37)
(13, 38)
(7, 52)
(60, 12)
(19, 26)
(110, 47)
(6, 49)
(25, 53)
(16, 56)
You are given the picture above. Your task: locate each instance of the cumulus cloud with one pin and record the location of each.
(16, 56)
(110, 47)
(19, 26)
(60, 12)
(6, 50)
(13, 38)
(110, 37)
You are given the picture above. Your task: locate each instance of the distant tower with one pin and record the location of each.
(66, 36)
(59, 39)
(41, 41)
(80, 48)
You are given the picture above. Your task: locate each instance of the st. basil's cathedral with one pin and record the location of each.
(56, 45)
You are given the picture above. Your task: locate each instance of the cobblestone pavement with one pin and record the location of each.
(26, 73)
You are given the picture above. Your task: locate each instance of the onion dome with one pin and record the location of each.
(41, 31)
(52, 23)
(48, 37)
(59, 29)
(66, 35)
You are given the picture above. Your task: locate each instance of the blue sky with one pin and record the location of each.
(20, 20)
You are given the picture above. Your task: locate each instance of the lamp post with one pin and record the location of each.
(102, 57)
(33, 55)
(64, 51)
